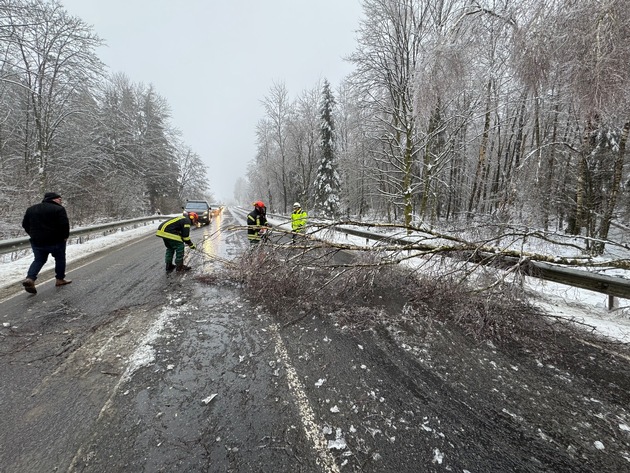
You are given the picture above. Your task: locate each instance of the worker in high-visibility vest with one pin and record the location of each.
(176, 232)
(298, 219)
(256, 221)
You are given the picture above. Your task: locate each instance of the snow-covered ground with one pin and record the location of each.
(584, 307)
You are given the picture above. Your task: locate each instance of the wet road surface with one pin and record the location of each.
(130, 369)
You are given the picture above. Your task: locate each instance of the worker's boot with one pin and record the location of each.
(29, 286)
(182, 267)
(169, 267)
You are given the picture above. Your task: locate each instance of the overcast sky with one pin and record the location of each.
(215, 60)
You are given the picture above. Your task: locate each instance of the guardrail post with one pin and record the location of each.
(613, 303)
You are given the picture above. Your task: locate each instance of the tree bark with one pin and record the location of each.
(611, 202)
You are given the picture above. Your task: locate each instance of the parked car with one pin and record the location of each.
(202, 208)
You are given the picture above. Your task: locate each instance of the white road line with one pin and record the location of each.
(311, 429)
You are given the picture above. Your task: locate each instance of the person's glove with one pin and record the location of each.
(192, 246)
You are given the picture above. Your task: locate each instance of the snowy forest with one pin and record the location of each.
(104, 142)
(501, 111)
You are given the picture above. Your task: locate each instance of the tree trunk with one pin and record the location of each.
(407, 178)
(431, 144)
(546, 202)
(611, 202)
(482, 154)
(579, 218)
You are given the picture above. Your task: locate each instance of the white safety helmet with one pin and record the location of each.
(296, 205)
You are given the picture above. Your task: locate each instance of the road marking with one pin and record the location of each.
(311, 429)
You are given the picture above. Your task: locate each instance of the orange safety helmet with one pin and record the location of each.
(259, 204)
(194, 218)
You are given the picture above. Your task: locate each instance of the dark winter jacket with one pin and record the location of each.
(255, 220)
(177, 229)
(46, 223)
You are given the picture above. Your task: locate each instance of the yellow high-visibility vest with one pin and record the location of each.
(298, 220)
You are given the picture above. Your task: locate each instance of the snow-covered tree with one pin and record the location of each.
(327, 185)
(193, 178)
(54, 54)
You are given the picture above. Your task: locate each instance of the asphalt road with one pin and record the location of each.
(129, 369)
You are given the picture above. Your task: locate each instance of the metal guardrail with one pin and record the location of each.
(611, 285)
(15, 244)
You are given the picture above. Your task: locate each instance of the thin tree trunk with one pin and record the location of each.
(408, 165)
(579, 219)
(614, 191)
(427, 176)
(546, 202)
(474, 197)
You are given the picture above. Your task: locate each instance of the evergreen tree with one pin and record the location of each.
(327, 185)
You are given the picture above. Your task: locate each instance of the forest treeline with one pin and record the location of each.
(105, 143)
(511, 112)
(505, 111)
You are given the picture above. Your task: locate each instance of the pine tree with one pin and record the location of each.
(327, 184)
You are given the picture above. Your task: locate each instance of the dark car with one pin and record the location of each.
(201, 208)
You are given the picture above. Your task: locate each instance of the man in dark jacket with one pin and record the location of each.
(175, 232)
(256, 220)
(48, 226)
